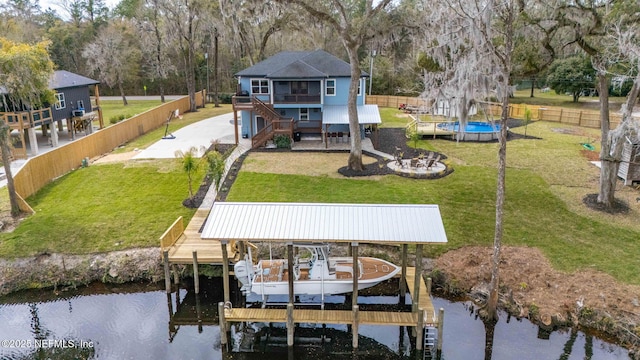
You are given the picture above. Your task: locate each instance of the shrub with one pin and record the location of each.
(282, 141)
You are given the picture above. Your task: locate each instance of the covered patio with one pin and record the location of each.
(335, 122)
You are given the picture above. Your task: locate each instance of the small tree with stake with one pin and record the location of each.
(190, 164)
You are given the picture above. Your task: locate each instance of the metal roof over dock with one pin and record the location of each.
(321, 222)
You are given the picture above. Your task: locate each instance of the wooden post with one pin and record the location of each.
(429, 286)
(290, 270)
(403, 278)
(199, 313)
(580, 118)
(356, 325)
(176, 274)
(196, 279)
(223, 324)
(440, 327)
(235, 126)
(225, 272)
(418, 278)
(290, 324)
(356, 273)
(420, 330)
(172, 327)
(167, 274)
(97, 95)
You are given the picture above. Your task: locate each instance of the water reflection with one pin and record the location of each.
(143, 322)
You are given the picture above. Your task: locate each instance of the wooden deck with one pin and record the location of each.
(424, 301)
(209, 251)
(315, 316)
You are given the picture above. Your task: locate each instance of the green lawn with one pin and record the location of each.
(546, 181)
(114, 108)
(111, 207)
(102, 208)
(552, 99)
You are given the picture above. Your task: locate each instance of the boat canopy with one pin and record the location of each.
(321, 222)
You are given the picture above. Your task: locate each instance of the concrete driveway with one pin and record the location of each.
(197, 135)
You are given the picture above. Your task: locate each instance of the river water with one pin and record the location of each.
(143, 322)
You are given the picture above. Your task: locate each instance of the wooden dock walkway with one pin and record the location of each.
(209, 251)
(424, 298)
(316, 316)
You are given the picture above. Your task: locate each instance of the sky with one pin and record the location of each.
(56, 5)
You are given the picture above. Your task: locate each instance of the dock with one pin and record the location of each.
(211, 243)
(181, 251)
(317, 316)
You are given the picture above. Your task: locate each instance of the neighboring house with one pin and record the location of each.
(72, 94)
(72, 104)
(297, 93)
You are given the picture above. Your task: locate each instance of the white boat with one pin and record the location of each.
(314, 272)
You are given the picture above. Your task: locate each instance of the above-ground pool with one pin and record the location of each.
(474, 131)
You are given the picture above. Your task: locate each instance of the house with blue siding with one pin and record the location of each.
(299, 93)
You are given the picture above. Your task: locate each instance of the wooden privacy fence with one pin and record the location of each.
(40, 170)
(585, 118)
(395, 101)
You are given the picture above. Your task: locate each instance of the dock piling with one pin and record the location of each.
(290, 325)
(196, 278)
(167, 274)
(440, 327)
(223, 325)
(355, 326)
(420, 331)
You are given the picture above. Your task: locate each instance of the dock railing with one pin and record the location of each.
(172, 234)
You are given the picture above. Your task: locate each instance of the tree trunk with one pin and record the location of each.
(161, 88)
(489, 335)
(5, 149)
(191, 76)
(492, 304)
(533, 85)
(608, 168)
(216, 101)
(121, 89)
(355, 156)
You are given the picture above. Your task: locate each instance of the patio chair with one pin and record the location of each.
(433, 162)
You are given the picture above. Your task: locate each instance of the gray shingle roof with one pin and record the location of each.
(64, 79)
(300, 64)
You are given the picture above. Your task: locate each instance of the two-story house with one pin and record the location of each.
(298, 93)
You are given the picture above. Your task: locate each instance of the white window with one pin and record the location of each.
(359, 87)
(60, 103)
(80, 105)
(330, 87)
(259, 86)
(304, 114)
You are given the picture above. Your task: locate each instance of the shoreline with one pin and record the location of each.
(58, 272)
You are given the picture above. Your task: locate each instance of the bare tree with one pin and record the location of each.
(185, 22)
(154, 44)
(113, 56)
(352, 20)
(476, 42)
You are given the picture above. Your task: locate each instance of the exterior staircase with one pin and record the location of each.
(274, 124)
